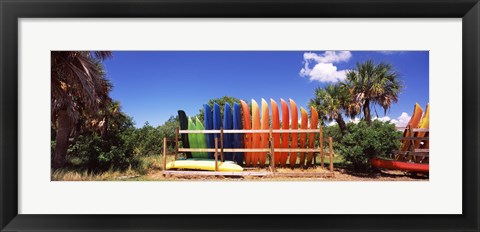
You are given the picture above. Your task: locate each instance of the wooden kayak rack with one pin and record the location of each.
(417, 155)
(219, 151)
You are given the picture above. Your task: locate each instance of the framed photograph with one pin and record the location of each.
(209, 115)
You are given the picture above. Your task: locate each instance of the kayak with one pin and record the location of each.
(255, 136)
(285, 126)
(294, 144)
(201, 139)
(424, 124)
(205, 165)
(227, 125)
(217, 123)
(303, 136)
(192, 138)
(247, 137)
(398, 165)
(414, 121)
(311, 139)
(275, 126)
(237, 137)
(262, 159)
(208, 123)
(182, 117)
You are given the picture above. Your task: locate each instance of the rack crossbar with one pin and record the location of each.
(248, 150)
(247, 131)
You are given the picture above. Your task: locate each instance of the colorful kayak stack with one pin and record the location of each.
(256, 118)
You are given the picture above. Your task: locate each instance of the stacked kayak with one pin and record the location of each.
(241, 115)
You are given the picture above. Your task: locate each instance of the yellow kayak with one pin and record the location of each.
(205, 165)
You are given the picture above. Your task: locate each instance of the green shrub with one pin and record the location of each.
(101, 153)
(363, 142)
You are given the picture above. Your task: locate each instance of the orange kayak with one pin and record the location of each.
(414, 121)
(424, 123)
(247, 125)
(294, 144)
(275, 126)
(311, 138)
(256, 136)
(285, 126)
(398, 165)
(303, 136)
(262, 159)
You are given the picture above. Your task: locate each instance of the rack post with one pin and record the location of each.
(164, 154)
(272, 153)
(176, 143)
(216, 154)
(221, 144)
(322, 154)
(331, 153)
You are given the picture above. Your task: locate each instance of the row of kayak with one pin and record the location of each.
(252, 117)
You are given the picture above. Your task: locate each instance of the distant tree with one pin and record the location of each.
(221, 102)
(79, 91)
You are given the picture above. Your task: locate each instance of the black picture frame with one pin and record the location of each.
(11, 11)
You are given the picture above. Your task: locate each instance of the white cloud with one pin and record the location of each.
(355, 120)
(400, 121)
(332, 123)
(324, 69)
(328, 56)
(383, 119)
(403, 120)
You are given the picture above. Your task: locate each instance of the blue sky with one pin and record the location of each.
(152, 85)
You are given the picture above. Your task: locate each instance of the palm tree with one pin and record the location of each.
(79, 91)
(331, 102)
(372, 84)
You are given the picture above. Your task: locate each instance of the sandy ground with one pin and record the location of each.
(339, 175)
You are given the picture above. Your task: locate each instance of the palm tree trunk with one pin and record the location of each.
(366, 111)
(341, 124)
(64, 127)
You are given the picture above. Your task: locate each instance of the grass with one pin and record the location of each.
(150, 169)
(147, 165)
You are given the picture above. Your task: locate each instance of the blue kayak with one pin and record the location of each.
(237, 138)
(208, 121)
(227, 125)
(217, 122)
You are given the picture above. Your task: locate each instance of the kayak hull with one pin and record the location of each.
(414, 121)
(237, 138)
(275, 126)
(208, 123)
(398, 165)
(247, 137)
(255, 136)
(294, 144)
(262, 159)
(182, 117)
(227, 125)
(285, 126)
(204, 165)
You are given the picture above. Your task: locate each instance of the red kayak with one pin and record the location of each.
(399, 165)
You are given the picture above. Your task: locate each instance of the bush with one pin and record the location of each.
(363, 142)
(101, 153)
